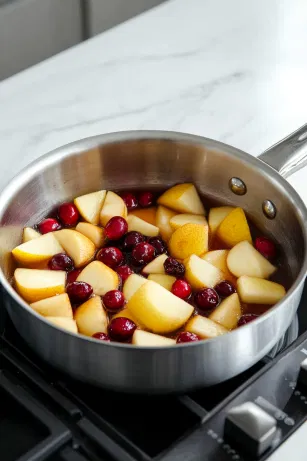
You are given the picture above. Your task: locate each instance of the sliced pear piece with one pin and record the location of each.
(132, 284)
(218, 258)
(94, 233)
(253, 290)
(163, 218)
(56, 306)
(228, 312)
(113, 206)
(204, 327)
(29, 234)
(146, 339)
(189, 239)
(185, 218)
(244, 259)
(79, 247)
(156, 266)
(34, 284)
(90, 205)
(183, 198)
(201, 274)
(37, 250)
(64, 322)
(101, 277)
(164, 280)
(91, 317)
(147, 214)
(217, 215)
(139, 225)
(234, 228)
(127, 314)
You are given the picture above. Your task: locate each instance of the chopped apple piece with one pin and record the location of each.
(127, 315)
(158, 309)
(185, 218)
(188, 240)
(234, 228)
(201, 274)
(183, 198)
(164, 280)
(244, 259)
(147, 214)
(228, 312)
(254, 290)
(163, 218)
(156, 266)
(144, 338)
(90, 205)
(56, 306)
(132, 284)
(204, 327)
(29, 234)
(79, 247)
(101, 277)
(217, 215)
(113, 206)
(37, 250)
(64, 322)
(94, 233)
(91, 317)
(218, 258)
(139, 225)
(34, 284)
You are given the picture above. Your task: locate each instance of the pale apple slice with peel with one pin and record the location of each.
(101, 278)
(29, 234)
(127, 315)
(146, 339)
(94, 233)
(91, 317)
(182, 198)
(189, 239)
(139, 225)
(217, 215)
(132, 284)
(164, 280)
(158, 309)
(201, 274)
(228, 312)
(218, 258)
(64, 322)
(204, 327)
(163, 217)
(156, 266)
(79, 247)
(244, 259)
(34, 284)
(253, 290)
(185, 218)
(37, 250)
(90, 205)
(113, 206)
(56, 306)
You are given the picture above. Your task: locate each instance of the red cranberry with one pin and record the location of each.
(101, 336)
(110, 256)
(143, 253)
(246, 318)
(113, 300)
(181, 288)
(266, 247)
(73, 275)
(206, 298)
(79, 292)
(116, 227)
(68, 214)
(159, 245)
(131, 239)
(130, 200)
(224, 289)
(49, 225)
(121, 328)
(187, 337)
(61, 262)
(174, 267)
(146, 199)
(124, 272)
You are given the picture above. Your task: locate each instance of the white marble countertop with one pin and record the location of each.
(235, 71)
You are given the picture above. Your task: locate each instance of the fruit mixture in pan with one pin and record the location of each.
(153, 271)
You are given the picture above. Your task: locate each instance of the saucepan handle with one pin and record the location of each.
(289, 154)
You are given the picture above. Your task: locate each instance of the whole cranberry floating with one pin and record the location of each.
(206, 298)
(101, 336)
(60, 262)
(266, 247)
(79, 292)
(159, 244)
(131, 239)
(68, 214)
(124, 272)
(246, 318)
(174, 267)
(110, 256)
(143, 253)
(182, 289)
(116, 227)
(130, 200)
(224, 289)
(187, 337)
(113, 300)
(121, 329)
(146, 199)
(49, 225)
(73, 275)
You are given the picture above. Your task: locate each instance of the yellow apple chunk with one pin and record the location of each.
(147, 214)
(94, 233)
(164, 280)
(204, 327)
(29, 234)
(146, 339)
(56, 306)
(253, 290)
(228, 312)
(244, 259)
(101, 278)
(217, 215)
(34, 284)
(139, 225)
(64, 322)
(113, 206)
(183, 198)
(158, 309)
(90, 205)
(234, 228)
(201, 274)
(79, 247)
(185, 218)
(188, 240)
(91, 317)
(156, 266)
(163, 218)
(127, 315)
(37, 250)
(132, 284)
(218, 258)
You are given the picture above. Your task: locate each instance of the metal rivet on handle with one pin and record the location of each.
(269, 209)
(237, 186)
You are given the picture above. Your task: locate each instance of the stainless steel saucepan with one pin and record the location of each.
(158, 159)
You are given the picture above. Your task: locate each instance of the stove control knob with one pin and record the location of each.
(302, 377)
(250, 428)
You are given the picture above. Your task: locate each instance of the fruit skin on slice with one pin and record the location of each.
(156, 266)
(132, 284)
(34, 284)
(91, 317)
(94, 233)
(56, 306)
(218, 258)
(189, 239)
(217, 215)
(147, 214)
(127, 314)
(228, 312)
(79, 247)
(64, 322)
(158, 309)
(254, 290)
(244, 259)
(29, 234)
(101, 278)
(113, 206)
(144, 338)
(234, 228)
(90, 205)
(183, 198)
(164, 280)
(139, 225)
(37, 250)
(201, 274)
(204, 327)
(185, 218)
(163, 218)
